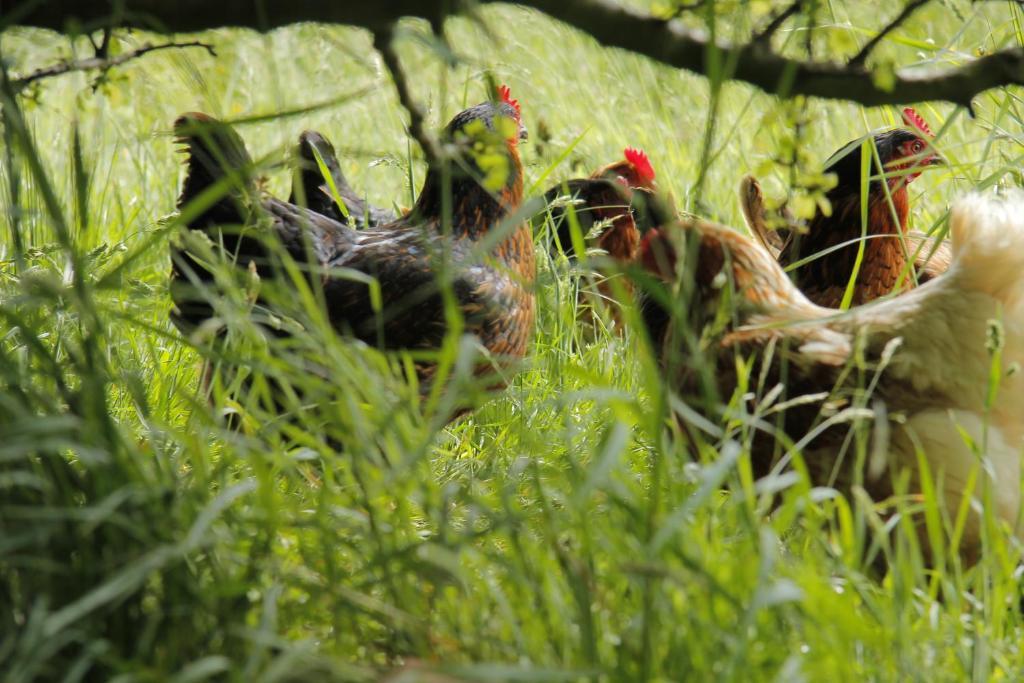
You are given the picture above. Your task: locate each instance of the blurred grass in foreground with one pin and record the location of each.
(559, 533)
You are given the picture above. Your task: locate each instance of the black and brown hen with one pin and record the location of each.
(461, 238)
(611, 209)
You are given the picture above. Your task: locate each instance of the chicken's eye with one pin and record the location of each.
(918, 146)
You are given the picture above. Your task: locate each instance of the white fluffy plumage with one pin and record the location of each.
(943, 369)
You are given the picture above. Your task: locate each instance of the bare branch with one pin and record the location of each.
(776, 23)
(68, 66)
(190, 16)
(610, 23)
(384, 42)
(862, 56)
(685, 48)
(103, 49)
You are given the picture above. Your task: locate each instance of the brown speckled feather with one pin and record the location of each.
(884, 261)
(931, 255)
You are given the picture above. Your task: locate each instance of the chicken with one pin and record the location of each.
(825, 268)
(611, 208)
(311, 188)
(771, 230)
(928, 360)
(931, 254)
(604, 197)
(480, 249)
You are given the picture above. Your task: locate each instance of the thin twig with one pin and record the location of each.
(608, 21)
(67, 66)
(859, 58)
(383, 41)
(103, 51)
(776, 23)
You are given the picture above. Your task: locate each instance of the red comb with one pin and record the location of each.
(639, 159)
(915, 120)
(506, 96)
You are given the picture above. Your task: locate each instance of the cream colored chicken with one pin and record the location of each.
(924, 373)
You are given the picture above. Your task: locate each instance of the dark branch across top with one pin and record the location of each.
(611, 24)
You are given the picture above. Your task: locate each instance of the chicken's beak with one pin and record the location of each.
(523, 133)
(936, 159)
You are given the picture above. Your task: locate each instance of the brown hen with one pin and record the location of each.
(824, 255)
(603, 199)
(611, 208)
(931, 254)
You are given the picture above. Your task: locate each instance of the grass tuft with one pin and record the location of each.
(152, 529)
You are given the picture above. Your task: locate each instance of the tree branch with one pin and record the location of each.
(384, 42)
(67, 66)
(611, 24)
(757, 65)
(862, 56)
(776, 23)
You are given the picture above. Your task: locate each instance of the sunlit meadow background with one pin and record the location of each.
(559, 532)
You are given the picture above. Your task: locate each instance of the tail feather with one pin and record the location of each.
(217, 158)
(752, 204)
(932, 255)
(310, 185)
(988, 244)
(315, 192)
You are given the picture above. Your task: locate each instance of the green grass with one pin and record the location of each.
(558, 533)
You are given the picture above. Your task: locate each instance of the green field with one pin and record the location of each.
(559, 532)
